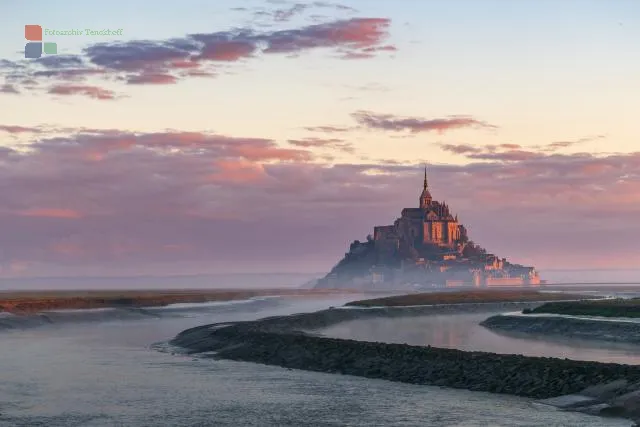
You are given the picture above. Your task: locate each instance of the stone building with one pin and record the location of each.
(425, 247)
(428, 226)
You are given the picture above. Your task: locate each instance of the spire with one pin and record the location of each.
(425, 196)
(425, 178)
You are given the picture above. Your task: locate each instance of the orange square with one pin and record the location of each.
(33, 33)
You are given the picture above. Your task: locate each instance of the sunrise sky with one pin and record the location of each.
(251, 136)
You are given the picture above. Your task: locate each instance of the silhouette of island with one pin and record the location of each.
(425, 248)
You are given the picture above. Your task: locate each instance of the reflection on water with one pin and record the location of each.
(462, 331)
(103, 374)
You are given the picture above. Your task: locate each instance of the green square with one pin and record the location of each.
(50, 48)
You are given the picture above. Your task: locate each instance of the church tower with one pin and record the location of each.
(425, 196)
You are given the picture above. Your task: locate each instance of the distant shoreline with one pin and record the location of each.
(467, 297)
(31, 302)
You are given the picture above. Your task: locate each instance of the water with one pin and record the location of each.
(104, 373)
(463, 331)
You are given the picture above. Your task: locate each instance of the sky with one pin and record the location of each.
(206, 137)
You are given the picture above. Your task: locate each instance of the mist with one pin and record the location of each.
(213, 281)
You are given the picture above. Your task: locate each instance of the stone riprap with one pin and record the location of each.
(289, 341)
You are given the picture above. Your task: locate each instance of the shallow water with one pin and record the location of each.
(463, 331)
(105, 374)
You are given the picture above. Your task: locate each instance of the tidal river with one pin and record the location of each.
(464, 332)
(97, 371)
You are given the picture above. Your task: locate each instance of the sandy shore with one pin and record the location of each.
(23, 303)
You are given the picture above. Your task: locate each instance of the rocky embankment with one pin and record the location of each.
(600, 330)
(290, 341)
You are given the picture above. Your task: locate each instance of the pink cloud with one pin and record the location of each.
(152, 78)
(460, 148)
(51, 213)
(390, 122)
(227, 51)
(90, 91)
(191, 202)
(237, 171)
(193, 55)
(511, 152)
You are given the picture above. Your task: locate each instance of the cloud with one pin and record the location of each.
(554, 146)
(353, 35)
(282, 15)
(512, 152)
(8, 88)
(506, 156)
(329, 129)
(10, 65)
(393, 123)
(60, 61)
(168, 61)
(90, 91)
(19, 129)
(50, 213)
(332, 143)
(228, 51)
(460, 148)
(285, 14)
(94, 202)
(152, 78)
(67, 75)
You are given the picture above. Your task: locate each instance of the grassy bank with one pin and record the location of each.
(465, 297)
(602, 308)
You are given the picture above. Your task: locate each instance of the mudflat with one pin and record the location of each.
(296, 342)
(29, 302)
(603, 308)
(466, 297)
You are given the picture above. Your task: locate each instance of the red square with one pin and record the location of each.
(33, 33)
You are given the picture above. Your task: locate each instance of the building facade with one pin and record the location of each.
(429, 224)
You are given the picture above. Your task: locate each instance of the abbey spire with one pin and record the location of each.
(426, 184)
(425, 196)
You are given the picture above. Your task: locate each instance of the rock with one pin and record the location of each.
(596, 409)
(606, 391)
(569, 401)
(629, 401)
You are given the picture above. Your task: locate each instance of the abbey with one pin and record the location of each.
(425, 247)
(429, 224)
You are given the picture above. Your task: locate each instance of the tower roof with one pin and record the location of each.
(425, 193)
(425, 196)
